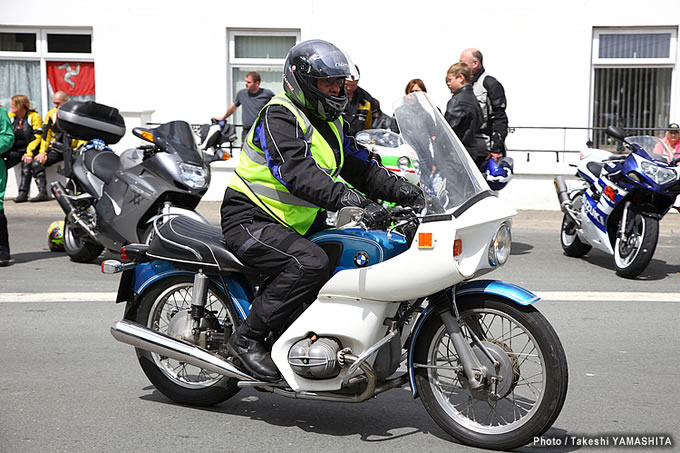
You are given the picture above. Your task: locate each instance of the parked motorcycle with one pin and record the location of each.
(618, 201)
(109, 200)
(488, 367)
(216, 137)
(392, 151)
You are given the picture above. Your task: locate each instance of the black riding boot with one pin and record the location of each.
(24, 184)
(253, 354)
(40, 181)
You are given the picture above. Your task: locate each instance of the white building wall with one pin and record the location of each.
(170, 57)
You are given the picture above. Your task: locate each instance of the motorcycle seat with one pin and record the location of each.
(103, 164)
(194, 244)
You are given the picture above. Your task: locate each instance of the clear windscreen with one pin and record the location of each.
(448, 175)
(654, 146)
(180, 136)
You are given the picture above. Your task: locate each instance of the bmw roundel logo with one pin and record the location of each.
(361, 259)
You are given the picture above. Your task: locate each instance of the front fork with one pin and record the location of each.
(623, 225)
(475, 372)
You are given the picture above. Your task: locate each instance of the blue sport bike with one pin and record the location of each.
(618, 201)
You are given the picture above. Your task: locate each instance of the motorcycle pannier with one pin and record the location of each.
(89, 120)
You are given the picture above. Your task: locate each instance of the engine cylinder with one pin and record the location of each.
(316, 360)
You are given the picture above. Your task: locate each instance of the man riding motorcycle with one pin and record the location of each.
(286, 179)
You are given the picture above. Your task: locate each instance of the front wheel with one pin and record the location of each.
(632, 255)
(164, 308)
(78, 245)
(531, 382)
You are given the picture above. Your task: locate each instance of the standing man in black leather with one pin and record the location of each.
(491, 97)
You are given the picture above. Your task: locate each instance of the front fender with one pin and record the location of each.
(510, 292)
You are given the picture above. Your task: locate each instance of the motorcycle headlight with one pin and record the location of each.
(416, 166)
(660, 175)
(404, 163)
(193, 175)
(499, 249)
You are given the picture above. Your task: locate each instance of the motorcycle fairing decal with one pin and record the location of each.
(597, 217)
(505, 290)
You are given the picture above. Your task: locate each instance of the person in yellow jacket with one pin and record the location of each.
(50, 151)
(27, 127)
(287, 178)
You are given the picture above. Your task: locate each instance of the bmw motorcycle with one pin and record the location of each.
(488, 367)
(618, 201)
(110, 199)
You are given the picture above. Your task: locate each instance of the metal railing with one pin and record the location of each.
(562, 144)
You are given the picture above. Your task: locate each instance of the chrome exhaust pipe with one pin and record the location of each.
(565, 201)
(562, 195)
(70, 211)
(149, 340)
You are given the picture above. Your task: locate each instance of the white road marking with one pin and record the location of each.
(56, 297)
(590, 296)
(614, 296)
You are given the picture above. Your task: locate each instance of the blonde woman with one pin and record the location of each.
(27, 127)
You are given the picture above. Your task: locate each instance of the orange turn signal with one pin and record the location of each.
(457, 247)
(147, 136)
(425, 240)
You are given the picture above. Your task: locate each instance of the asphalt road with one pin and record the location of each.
(67, 386)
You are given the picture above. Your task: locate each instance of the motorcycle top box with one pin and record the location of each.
(89, 120)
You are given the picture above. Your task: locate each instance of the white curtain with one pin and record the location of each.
(20, 77)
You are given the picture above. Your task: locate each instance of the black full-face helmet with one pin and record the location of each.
(309, 61)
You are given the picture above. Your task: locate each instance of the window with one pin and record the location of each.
(38, 62)
(632, 73)
(260, 51)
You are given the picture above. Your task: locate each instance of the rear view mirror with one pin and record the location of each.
(616, 132)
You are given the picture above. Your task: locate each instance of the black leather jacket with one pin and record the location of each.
(465, 118)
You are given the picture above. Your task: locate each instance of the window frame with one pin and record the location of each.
(252, 63)
(629, 63)
(43, 56)
(634, 62)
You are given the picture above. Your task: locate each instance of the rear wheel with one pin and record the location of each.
(531, 379)
(571, 244)
(162, 309)
(632, 255)
(78, 244)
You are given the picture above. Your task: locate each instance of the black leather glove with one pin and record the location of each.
(497, 143)
(410, 195)
(375, 216)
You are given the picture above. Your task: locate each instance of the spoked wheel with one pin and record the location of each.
(531, 380)
(167, 309)
(632, 255)
(78, 245)
(571, 244)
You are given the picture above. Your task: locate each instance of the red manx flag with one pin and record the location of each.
(73, 78)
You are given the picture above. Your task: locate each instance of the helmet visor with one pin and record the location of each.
(333, 64)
